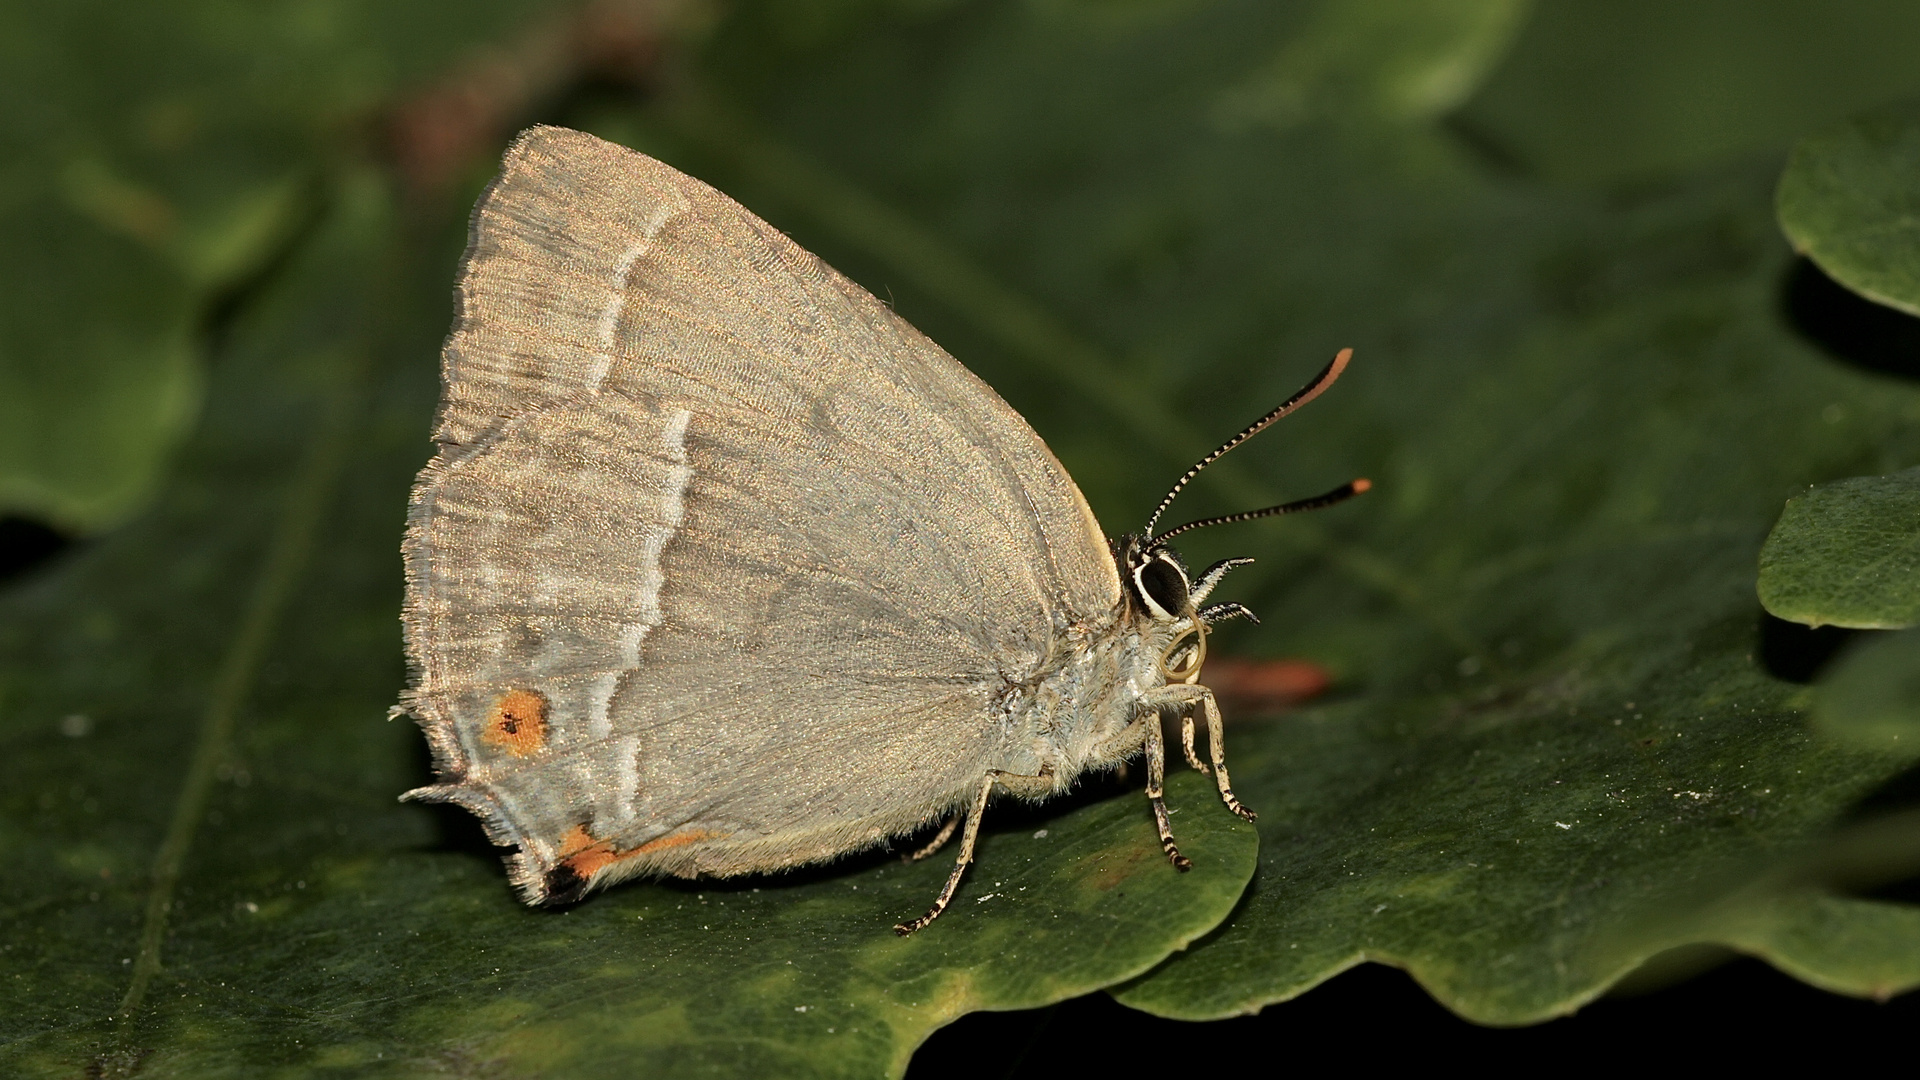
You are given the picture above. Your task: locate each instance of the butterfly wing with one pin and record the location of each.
(721, 566)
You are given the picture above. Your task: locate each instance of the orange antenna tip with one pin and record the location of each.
(1362, 484)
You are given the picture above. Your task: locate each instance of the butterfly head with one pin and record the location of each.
(1157, 581)
(1159, 591)
(1158, 588)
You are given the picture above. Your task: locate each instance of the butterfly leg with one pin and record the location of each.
(1186, 743)
(1156, 792)
(967, 838)
(939, 840)
(1187, 697)
(1216, 747)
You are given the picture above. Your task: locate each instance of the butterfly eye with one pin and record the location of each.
(1163, 585)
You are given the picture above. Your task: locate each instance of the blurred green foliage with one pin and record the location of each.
(1640, 90)
(1872, 696)
(1561, 743)
(159, 157)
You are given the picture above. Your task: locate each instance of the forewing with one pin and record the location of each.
(722, 564)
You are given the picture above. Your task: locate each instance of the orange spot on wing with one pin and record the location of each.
(586, 856)
(578, 839)
(674, 840)
(518, 723)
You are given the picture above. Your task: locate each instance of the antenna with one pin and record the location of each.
(1306, 393)
(1340, 494)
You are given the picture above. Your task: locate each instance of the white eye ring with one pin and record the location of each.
(1161, 565)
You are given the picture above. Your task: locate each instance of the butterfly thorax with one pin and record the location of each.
(1081, 711)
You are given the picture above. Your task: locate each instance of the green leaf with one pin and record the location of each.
(1872, 695)
(158, 159)
(98, 370)
(1554, 749)
(1850, 200)
(1409, 62)
(1847, 553)
(230, 713)
(1602, 91)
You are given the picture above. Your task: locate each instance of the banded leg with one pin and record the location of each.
(939, 840)
(1186, 743)
(972, 833)
(1216, 748)
(1156, 794)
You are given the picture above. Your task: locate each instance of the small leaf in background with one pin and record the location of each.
(1871, 696)
(158, 158)
(99, 375)
(1604, 91)
(1405, 63)
(1850, 200)
(1847, 553)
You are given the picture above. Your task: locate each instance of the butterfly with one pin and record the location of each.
(722, 568)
